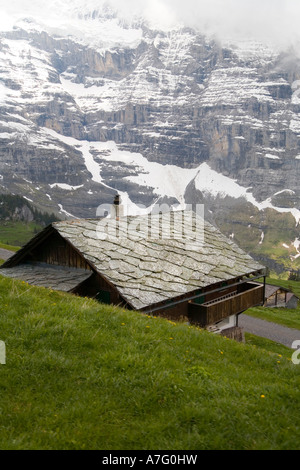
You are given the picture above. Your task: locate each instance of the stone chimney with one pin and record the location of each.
(117, 211)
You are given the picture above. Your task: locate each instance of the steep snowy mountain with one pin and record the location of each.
(92, 104)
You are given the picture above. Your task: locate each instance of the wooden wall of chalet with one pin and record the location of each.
(215, 303)
(97, 287)
(176, 313)
(210, 313)
(57, 251)
(181, 311)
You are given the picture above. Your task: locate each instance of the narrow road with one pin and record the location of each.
(5, 254)
(273, 331)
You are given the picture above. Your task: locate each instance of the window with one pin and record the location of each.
(200, 300)
(103, 296)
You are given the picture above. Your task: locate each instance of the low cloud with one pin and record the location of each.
(272, 20)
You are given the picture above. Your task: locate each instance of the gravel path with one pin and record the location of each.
(266, 329)
(5, 254)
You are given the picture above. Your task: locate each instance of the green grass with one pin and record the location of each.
(268, 345)
(248, 223)
(9, 247)
(80, 375)
(283, 316)
(18, 233)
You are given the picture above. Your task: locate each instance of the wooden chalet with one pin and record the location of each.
(276, 296)
(208, 283)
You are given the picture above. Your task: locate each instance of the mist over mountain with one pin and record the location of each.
(263, 20)
(160, 101)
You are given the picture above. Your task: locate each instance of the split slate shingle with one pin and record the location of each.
(135, 263)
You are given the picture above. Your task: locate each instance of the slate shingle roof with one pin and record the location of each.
(150, 270)
(43, 275)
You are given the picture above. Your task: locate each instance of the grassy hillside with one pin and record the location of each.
(9, 247)
(20, 220)
(283, 316)
(268, 235)
(80, 375)
(16, 233)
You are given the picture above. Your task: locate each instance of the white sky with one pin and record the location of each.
(276, 20)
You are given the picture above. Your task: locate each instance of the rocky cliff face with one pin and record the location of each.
(153, 115)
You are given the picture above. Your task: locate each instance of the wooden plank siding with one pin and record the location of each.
(213, 312)
(180, 308)
(51, 248)
(58, 252)
(99, 288)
